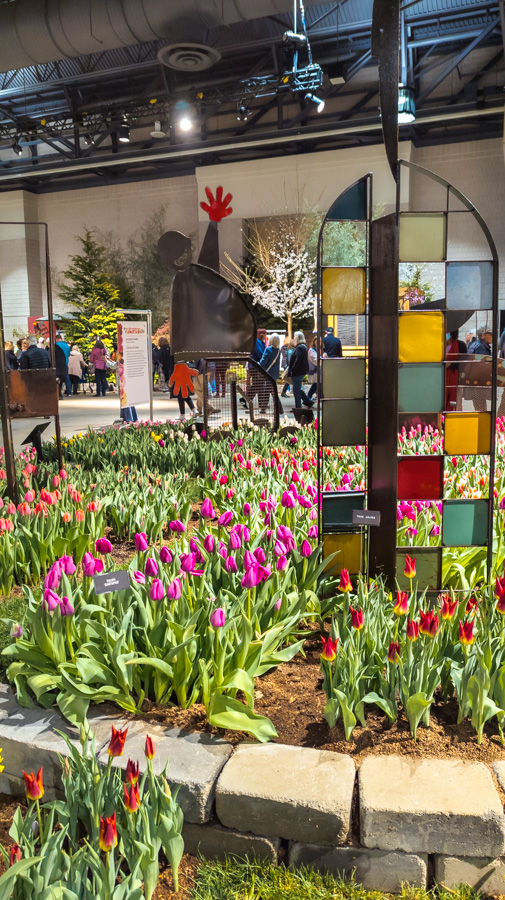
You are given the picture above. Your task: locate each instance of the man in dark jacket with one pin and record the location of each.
(332, 345)
(34, 357)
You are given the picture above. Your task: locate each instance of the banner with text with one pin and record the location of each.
(133, 352)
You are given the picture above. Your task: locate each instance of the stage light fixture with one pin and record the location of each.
(124, 132)
(294, 38)
(243, 113)
(406, 105)
(157, 131)
(317, 100)
(185, 123)
(88, 139)
(16, 146)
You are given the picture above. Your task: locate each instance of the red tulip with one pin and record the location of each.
(329, 651)
(15, 854)
(34, 785)
(131, 797)
(412, 630)
(150, 750)
(116, 744)
(410, 567)
(357, 621)
(345, 582)
(402, 603)
(466, 634)
(108, 833)
(448, 607)
(499, 590)
(394, 652)
(132, 772)
(429, 623)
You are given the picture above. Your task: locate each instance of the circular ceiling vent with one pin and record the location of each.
(188, 57)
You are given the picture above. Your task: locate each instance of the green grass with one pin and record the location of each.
(243, 880)
(13, 609)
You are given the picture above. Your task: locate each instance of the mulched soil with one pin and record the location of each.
(292, 697)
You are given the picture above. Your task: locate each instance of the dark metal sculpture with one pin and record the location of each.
(386, 48)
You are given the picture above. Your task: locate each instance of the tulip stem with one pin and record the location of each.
(39, 817)
(69, 639)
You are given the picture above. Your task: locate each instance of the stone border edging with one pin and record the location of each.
(415, 816)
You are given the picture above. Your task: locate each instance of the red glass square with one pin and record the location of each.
(420, 477)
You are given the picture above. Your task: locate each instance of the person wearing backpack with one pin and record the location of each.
(271, 362)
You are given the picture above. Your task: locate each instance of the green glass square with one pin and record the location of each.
(465, 523)
(344, 378)
(428, 563)
(338, 508)
(343, 422)
(421, 388)
(351, 204)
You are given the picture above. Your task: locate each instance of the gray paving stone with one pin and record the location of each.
(499, 771)
(375, 870)
(28, 740)
(8, 701)
(195, 761)
(291, 792)
(484, 875)
(214, 841)
(440, 806)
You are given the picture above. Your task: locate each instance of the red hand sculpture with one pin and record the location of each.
(181, 379)
(217, 208)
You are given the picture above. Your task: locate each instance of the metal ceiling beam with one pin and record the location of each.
(456, 61)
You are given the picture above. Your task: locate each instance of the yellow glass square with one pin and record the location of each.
(343, 291)
(422, 237)
(421, 337)
(350, 551)
(467, 433)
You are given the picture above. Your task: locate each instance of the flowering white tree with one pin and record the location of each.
(282, 273)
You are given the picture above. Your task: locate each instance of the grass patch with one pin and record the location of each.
(13, 609)
(243, 880)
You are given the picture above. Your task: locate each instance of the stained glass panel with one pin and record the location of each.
(467, 433)
(422, 237)
(421, 337)
(427, 565)
(350, 546)
(344, 291)
(464, 523)
(420, 477)
(469, 285)
(421, 388)
(344, 378)
(343, 422)
(338, 509)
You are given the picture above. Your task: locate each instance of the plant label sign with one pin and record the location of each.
(112, 581)
(366, 517)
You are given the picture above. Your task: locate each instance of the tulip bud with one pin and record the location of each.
(394, 652)
(132, 772)
(412, 630)
(410, 567)
(329, 651)
(107, 838)
(206, 509)
(15, 854)
(305, 549)
(345, 582)
(225, 518)
(278, 604)
(16, 632)
(103, 546)
(66, 608)
(141, 541)
(174, 589)
(357, 620)
(151, 567)
(209, 543)
(34, 785)
(131, 797)
(230, 564)
(139, 577)
(218, 617)
(116, 743)
(150, 750)
(235, 541)
(165, 555)
(157, 591)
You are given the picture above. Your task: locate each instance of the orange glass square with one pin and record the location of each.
(467, 433)
(343, 291)
(350, 552)
(421, 337)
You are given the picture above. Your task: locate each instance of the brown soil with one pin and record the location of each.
(292, 697)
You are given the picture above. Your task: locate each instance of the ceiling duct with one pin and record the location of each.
(188, 57)
(42, 31)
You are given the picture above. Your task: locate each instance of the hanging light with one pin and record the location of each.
(406, 105)
(185, 123)
(158, 130)
(16, 146)
(88, 139)
(317, 100)
(124, 132)
(243, 113)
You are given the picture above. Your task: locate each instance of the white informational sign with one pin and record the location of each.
(134, 370)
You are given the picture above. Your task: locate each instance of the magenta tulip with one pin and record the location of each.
(280, 549)
(139, 577)
(50, 601)
(165, 555)
(188, 562)
(66, 608)
(223, 550)
(67, 564)
(249, 559)
(251, 578)
(209, 543)
(288, 501)
(278, 604)
(313, 531)
(247, 509)
(282, 563)
(230, 564)
(218, 617)
(151, 569)
(235, 541)
(53, 578)
(225, 518)
(305, 549)
(207, 510)
(103, 546)
(177, 526)
(140, 541)
(90, 565)
(157, 591)
(259, 555)
(174, 589)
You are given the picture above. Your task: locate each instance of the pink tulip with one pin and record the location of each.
(90, 565)
(151, 569)
(67, 564)
(66, 608)
(260, 556)
(206, 509)
(251, 578)
(177, 526)
(280, 549)
(313, 531)
(103, 546)
(218, 617)
(157, 591)
(139, 577)
(209, 543)
(188, 562)
(222, 550)
(50, 600)
(249, 559)
(278, 604)
(141, 541)
(225, 518)
(223, 479)
(282, 563)
(165, 555)
(247, 509)
(230, 565)
(29, 497)
(53, 578)
(235, 541)
(174, 589)
(305, 549)
(193, 546)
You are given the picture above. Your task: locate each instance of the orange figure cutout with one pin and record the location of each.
(181, 379)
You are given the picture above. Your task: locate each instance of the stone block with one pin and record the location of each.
(499, 771)
(29, 741)
(484, 875)
(214, 841)
(8, 701)
(440, 806)
(195, 761)
(290, 792)
(375, 870)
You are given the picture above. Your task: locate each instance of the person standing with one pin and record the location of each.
(34, 358)
(332, 345)
(76, 365)
(98, 362)
(253, 382)
(62, 344)
(312, 377)
(453, 350)
(298, 368)
(271, 363)
(11, 361)
(286, 352)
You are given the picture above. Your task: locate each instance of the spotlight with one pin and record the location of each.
(88, 139)
(158, 130)
(293, 37)
(124, 132)
(185, 123)
(243, 113)
(406, 105)
(16, 146)
(313, 99)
